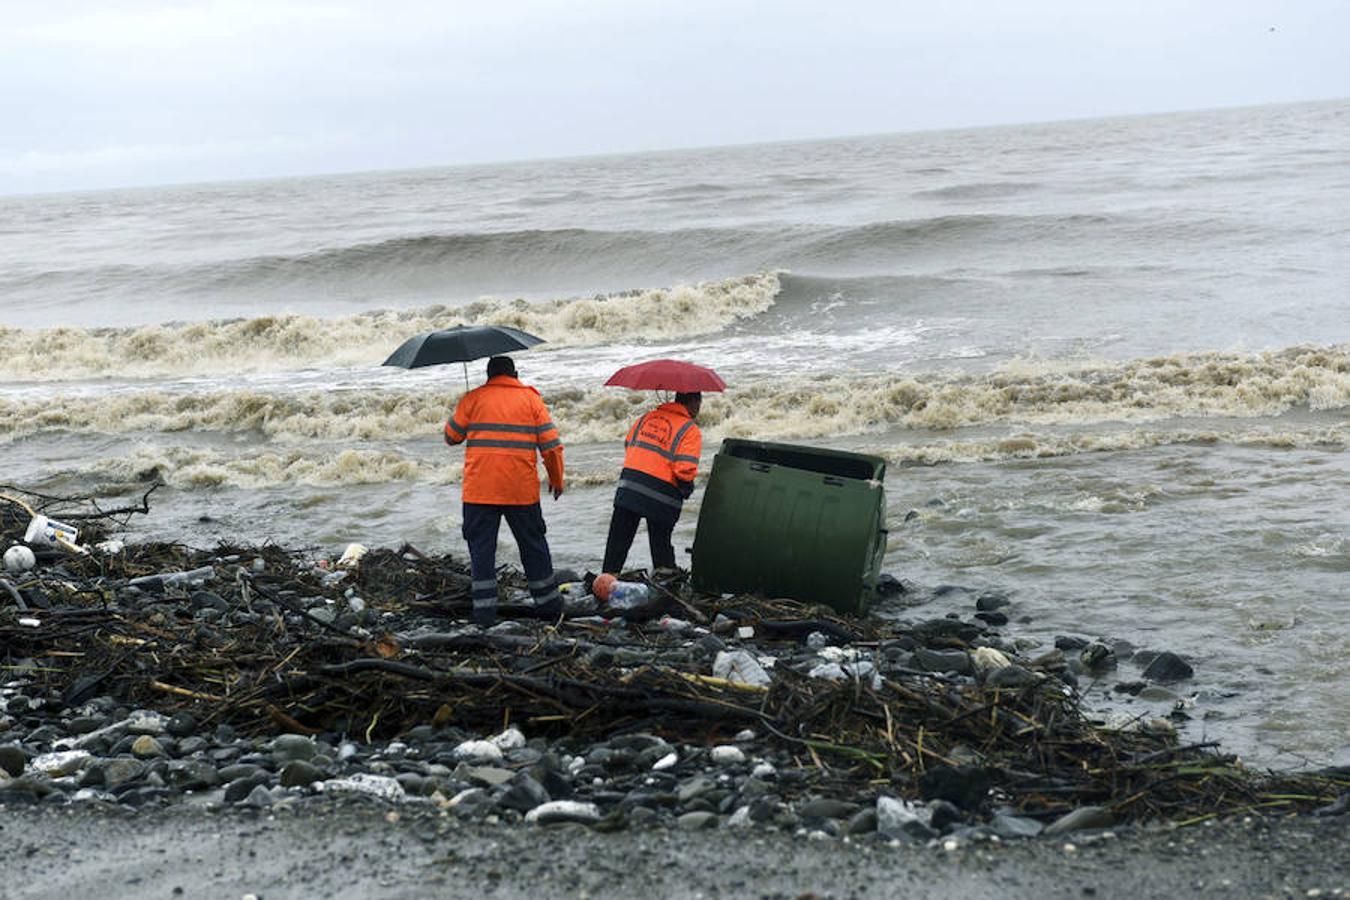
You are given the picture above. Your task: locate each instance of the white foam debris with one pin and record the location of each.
(478, 752)
(381, 786)
(563, 811)
(510, 739)
(62, 762)
(727, 755)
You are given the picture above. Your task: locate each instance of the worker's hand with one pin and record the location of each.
(557, 492)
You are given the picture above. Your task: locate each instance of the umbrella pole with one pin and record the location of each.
(466, 377)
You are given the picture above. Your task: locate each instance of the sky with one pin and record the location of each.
(108, 93)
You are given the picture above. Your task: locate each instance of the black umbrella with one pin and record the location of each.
(460, 344)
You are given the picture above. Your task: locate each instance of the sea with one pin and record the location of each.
(1107, 363)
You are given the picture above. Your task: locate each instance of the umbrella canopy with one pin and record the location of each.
(668, 375)
(460, 344)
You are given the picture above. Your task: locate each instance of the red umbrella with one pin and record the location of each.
(667, 375)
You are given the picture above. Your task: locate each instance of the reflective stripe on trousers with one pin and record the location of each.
(482, 523)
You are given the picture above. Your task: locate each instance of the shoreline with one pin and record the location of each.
(168, 687)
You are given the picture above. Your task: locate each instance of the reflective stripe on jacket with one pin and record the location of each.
(502, 425)
(665, 443)
(660, 461)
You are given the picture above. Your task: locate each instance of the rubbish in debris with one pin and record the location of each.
(19, 559)
(577, 600)
(249, 657)
(351, 557)
(45, 532)
(625, 595)
(740, 666)
(602, 585)
(154, 582)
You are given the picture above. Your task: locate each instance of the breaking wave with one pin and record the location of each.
(289, 342)
(195, 469)
(189, 469)
(1025, 393)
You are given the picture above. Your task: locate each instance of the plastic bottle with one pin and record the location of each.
(626, 595)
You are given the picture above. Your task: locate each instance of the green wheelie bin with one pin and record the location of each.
(782, 520)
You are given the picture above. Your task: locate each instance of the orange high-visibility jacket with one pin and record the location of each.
(502, 424)
(665, 443)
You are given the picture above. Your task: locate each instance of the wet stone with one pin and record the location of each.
(1011, 677)
(223, 755)
(988, 602)
(85, 724)
(117, 772)
(901, 819)
(649, 798)
(487, 776)
(146, 747)
(12, 760)
(299, 773)
(827, 808)
(755, 787)
(259, 798)
(288, 747)
(1009, 826)
(43, 735)
(694, 787)
(36, 785)
(954, 661)
(192, 744)
(181, 725)
(697, 821)
(524, 794)
(765, 809)
(1168, 666)
(1097, 657)
(240, 770)
(413, 783)
(240, 788)
(864, 821)
(192, 775)
(641, 816)
(91, 777)
(145, 795)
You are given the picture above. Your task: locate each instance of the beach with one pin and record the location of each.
(355, 850)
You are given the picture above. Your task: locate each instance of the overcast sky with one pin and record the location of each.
(100, 93)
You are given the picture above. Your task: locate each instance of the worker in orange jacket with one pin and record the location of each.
(502, 425)
(660, 461)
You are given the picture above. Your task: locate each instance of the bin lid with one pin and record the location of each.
(840, 463)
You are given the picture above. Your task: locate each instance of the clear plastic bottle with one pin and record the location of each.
(626, 595)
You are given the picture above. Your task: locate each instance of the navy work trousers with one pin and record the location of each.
(482, 522)
(623, 527)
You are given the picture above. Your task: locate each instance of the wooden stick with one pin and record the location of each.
(184, 692)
